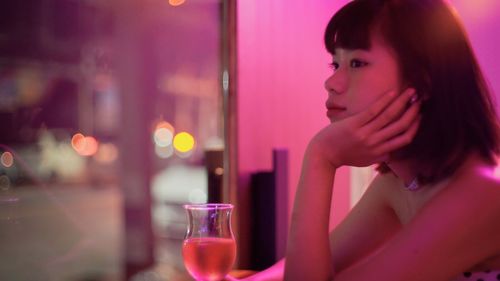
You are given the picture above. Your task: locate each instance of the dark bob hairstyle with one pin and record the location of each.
(436, 58)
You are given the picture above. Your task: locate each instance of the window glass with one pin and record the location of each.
(110, 113)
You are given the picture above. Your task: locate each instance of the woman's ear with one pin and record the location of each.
(422, 86)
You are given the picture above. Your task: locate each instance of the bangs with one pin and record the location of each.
(351, 27)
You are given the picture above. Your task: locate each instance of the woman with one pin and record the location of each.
(406, 93)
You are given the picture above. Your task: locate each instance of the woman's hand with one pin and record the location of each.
(369, 136)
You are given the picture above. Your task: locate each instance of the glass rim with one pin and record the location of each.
(208, 206)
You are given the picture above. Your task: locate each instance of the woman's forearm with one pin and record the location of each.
(308, 254)
(273, 273)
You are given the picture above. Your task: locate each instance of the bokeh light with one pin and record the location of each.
(91, 146)
(163, 137)
(163, 133)
(7, 159)
(176, 2)
(184, 142)
(77, 141)
(84, 145)
(219, 171)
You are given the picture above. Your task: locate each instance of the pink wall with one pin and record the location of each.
(282, 65)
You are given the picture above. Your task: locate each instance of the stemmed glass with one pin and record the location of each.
(209, 248)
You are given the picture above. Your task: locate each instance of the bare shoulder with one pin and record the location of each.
(481, 185)
(475, 187)
(472, 197)
(478, 180)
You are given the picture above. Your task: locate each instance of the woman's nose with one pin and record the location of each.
(336, 83)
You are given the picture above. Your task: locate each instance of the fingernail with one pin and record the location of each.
(414, 98)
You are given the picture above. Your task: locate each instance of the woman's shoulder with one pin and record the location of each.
(478, 175)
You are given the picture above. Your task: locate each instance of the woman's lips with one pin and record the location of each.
(332, 110)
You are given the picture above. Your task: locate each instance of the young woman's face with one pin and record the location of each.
(360, 77)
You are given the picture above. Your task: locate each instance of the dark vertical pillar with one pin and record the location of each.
(269, 226)
(230, 192)
(263, 220)
(135, 71)
(280, 167)
(229, 85)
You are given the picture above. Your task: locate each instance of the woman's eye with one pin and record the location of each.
(355, 63)
(334, 66)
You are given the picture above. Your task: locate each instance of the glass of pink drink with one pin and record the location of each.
(209, 248)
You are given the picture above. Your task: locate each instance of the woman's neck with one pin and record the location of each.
(406, 170)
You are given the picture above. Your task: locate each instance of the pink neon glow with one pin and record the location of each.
(477, 10)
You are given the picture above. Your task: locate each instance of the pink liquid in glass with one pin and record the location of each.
(209, 258)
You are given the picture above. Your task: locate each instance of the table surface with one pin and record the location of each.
(165, 271)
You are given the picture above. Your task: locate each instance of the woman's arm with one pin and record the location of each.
(308, 251)
(273, 273)
(361, 140)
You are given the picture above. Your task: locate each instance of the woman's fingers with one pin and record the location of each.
(392, 112)
(399, 140)
(397, 127)
(369, 136)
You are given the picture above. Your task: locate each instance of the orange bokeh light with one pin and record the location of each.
(176, 2)
(7, 159)
(84, 145)
(77, 141)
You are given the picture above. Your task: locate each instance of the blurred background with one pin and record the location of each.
(108, 112)
(115, 113)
